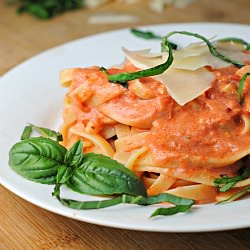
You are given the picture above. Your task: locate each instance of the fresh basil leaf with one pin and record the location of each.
(44, 179)
(75, 154)
(227, 186)
(86, 205)
(165, 197)
(123, 84)
(211, 48)
(38, 11)
(130, 199)
(26, 132)
(45, 132)
(56, 191)
(157, 70)
(101, 175)
(149, 35)
(181, 204)
(144, 34)
(165, 211)
(37, 159)
(235, 40)
(63, 174)
(241, 84)
(235, 196)
(45, 9)
(102, 69)
(225, 183)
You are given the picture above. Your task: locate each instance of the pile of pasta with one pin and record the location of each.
(174, 147)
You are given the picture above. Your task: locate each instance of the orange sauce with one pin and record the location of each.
(208, 127)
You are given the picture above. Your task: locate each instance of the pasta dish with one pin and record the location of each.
(178, 131)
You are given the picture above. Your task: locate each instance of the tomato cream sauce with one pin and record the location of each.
(196, 134)
(204, 130)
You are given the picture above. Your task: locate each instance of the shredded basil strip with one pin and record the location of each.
(241, 84)
(159, 69)
(26, 132)
(149, 35)
(211, 48)
(37, 159)
(225, 183)
(45, 132)
(145, 34)
(235, 196)
(235, 40)
(166, 46)
(170, 210)
(181, 204)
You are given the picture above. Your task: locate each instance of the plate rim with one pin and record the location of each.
(8, 186)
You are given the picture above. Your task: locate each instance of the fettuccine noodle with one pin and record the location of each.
(172, 148)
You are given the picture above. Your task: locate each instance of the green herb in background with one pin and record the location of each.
(241, 84)
(46, 9)
(181, 205)
(145, 34)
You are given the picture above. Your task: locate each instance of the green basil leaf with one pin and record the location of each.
(241, 84)
(225, 183)
(45, 132)
(26, 132)
(211, 48)
(130, 199)
(86, 205)
(45, 9)
(56, 191)
(235, 40)
(182, 204)
(144, 34)
(227, 186)
(123, 84)
(75, 154)
(149, 35)
(165, 211)
(43, 180)
(63, 174)
(235, 196)
(101, 175)
(38, 11)
(37, 159)
(165, 197)
(157, 70)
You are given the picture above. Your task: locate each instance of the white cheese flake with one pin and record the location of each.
(185, 85)
(187, 78)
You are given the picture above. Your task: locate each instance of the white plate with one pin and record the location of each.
(30, 93)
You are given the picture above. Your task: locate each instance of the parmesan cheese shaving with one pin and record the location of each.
(143, 59)
(185, 85)
(197, 56)
(187, 78)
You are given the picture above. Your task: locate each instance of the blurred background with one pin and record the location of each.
(30, 26)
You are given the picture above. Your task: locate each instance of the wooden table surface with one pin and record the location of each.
(25, 226)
